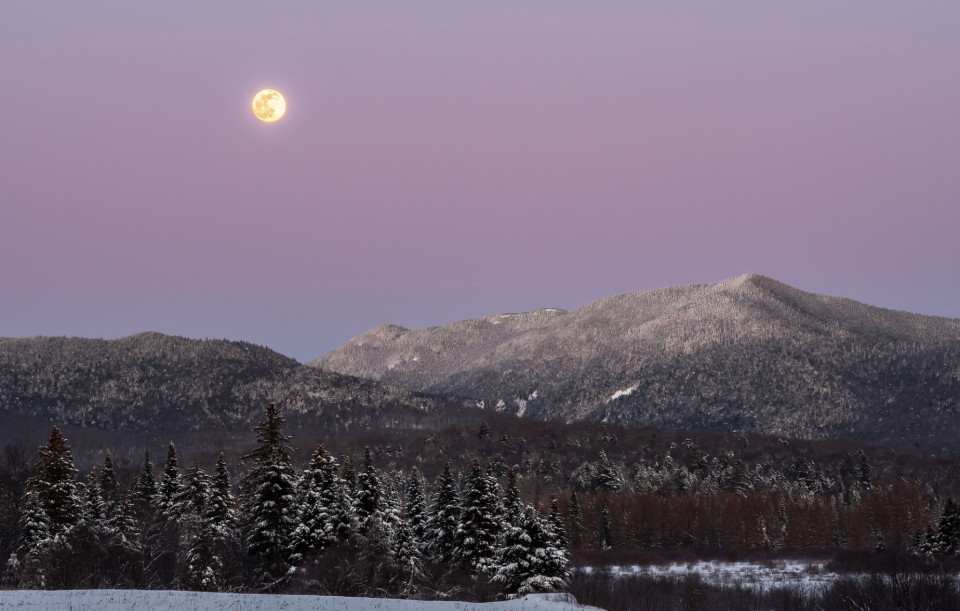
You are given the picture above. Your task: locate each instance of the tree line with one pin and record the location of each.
(284, 529)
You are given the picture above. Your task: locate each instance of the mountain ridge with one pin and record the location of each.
(745, 354)
(152, 381)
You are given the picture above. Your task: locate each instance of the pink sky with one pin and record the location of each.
(441, 161)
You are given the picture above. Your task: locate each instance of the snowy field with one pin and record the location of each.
(140, 600)
(781, 573)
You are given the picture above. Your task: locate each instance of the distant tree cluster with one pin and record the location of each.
(329, 528)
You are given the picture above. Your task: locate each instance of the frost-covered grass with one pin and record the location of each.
(152, 600)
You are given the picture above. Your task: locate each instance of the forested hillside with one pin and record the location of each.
(159, 384)
(744, 355)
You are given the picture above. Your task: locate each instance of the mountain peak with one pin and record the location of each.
(745, 354)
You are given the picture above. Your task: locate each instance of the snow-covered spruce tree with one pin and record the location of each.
(201, 565)
(609, 476)
(527, 559)
(219, 509)
(948, 536)
(416, 508)
(268, 509)
(109, 485)
(369, 498)
(349, 475)
(55, 486)
(94, 515)
(28, 564)
(144, 495)
(170, 486)
(442, 524)
(556, 523)
(123, 526)
(511, 500)
(407, 553)
(316, 515)
(344, 516)
(476, 535)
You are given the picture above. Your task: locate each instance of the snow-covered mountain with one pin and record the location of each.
(746, 354)
(154, 382)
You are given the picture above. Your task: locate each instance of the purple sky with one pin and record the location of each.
(447, 160)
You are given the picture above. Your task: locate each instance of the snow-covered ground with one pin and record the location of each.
(141, 600)
(785, 572)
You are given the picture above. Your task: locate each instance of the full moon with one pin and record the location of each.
(269, 105)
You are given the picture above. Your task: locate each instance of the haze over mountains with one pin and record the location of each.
(161, 383)
(746, 354)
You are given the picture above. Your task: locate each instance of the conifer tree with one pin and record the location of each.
(511, 499)
(556, 523)
(54, 484)
(606, 529)
(417, 505)
(316, 527)
(94, 514)
(170, 486)
(576, 520)
(349, 475)
(34, 528)
(191, 500)
(527, 559)
(108, 483)
(369, 498)
(406, 552)
(948, 537)
(476, 535)
(269, 499)
(123, 526)
(344, 517)
(608, 474)
(219, 509)
(145, 491)
(442, 526)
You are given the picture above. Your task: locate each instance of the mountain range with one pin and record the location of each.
(748, 354)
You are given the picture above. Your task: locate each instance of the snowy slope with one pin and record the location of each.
(143, 600)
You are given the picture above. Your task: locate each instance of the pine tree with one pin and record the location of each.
(344, 517)
(442, 526)
(54, 484)
(368, 503)
(193, 495)
(417, 505)
(527, 559)
(219, 509)
(170, 486)
(269, 498)
(145, 491)
(202, 566)
(476, 535)
(556, 523)
(108, 483)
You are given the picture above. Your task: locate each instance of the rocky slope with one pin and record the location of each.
(747, 354)
(160, 383)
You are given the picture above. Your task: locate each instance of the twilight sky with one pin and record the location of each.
(447, 160)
